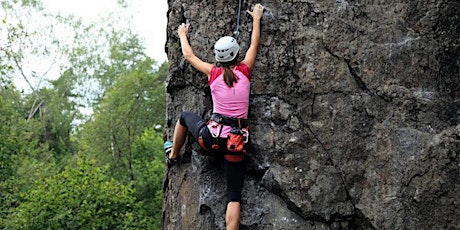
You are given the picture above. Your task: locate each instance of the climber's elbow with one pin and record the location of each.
(188, 55)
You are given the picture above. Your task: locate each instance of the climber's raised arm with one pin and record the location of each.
(251, 54)
(187, 51)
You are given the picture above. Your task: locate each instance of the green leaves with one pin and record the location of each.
(135, 103)
(60, 169)
(80, 197)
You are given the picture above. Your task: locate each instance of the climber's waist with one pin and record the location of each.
(230, 121)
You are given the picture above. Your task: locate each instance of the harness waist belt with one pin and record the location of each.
(230, 121)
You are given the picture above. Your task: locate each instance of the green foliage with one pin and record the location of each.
(134, 103)
(80, 197)
(149, 180)
(51, 115)
(122, 134)
(115, 180)
(9, 112)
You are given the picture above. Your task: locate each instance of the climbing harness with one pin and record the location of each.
(230, 121)
(238, 135)
(236, 140)
(237, 32)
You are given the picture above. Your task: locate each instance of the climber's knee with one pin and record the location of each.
(233, 197)
(181, 119)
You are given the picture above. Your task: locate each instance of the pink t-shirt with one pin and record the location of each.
(229, 101)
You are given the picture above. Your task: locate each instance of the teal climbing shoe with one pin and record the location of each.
(168, 148)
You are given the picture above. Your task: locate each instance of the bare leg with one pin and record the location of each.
(180, 133)
(232, 217)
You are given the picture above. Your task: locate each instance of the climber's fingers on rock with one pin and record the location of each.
(183, 28)
(257, 11)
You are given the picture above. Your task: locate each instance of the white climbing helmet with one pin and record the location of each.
(226, 49)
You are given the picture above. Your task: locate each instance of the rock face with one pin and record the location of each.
(355, 109)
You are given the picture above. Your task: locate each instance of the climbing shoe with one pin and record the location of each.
(168, 148)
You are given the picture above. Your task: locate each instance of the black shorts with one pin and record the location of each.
(234, 172)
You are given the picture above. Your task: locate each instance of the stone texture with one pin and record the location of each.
(355, 109)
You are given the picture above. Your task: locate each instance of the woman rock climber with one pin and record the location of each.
(230, 87)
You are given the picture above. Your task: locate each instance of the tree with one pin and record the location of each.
(149, 177)
(80, 197)
(101, 67)
(53, 114)
(125, 133)
(135, 103)
(10, 103)
(17, 40)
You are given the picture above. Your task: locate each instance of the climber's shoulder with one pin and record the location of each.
(244, 68)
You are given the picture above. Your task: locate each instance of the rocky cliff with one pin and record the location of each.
(355, 109)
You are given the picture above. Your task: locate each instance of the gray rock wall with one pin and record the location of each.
(355, 109)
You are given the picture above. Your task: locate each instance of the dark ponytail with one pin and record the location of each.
(229, 76)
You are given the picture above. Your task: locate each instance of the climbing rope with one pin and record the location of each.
(237, 32)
